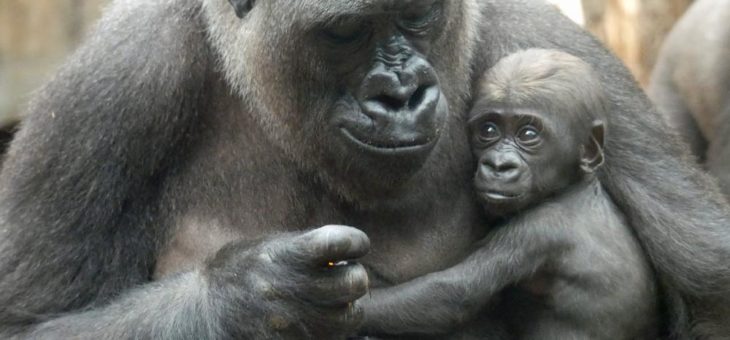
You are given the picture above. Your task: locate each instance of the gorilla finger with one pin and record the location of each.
(332, 244)
(339, 286)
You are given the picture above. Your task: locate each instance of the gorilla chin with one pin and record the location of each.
(502, 199)
(502, 203)
(383, 149)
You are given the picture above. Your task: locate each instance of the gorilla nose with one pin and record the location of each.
(402, 103)
(396, 87)
(503, 166)
(396, 93)
(409, 107)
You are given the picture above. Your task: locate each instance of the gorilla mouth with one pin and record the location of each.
(497, 196)
(392, 146)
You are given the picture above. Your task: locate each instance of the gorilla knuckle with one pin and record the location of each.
(336, 242)
(338, 286)
(356, 281)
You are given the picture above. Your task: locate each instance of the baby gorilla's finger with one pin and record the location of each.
(332, 244)
(338, 286)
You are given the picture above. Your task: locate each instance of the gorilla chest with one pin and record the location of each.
(397, 257)
(404, 244)
(409, 243)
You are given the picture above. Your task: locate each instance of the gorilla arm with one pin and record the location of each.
(77, 192)
(224, 299)
(718, 156)
(440, 302)
(79, 203)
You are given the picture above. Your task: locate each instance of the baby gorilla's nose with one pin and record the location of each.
(503, 166)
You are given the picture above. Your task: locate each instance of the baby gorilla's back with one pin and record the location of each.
(602, 287)
(577, 274)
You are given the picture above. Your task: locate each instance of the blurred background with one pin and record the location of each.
(36, 35)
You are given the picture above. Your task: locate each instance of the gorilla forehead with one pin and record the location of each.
(323, 10)
(364, 6)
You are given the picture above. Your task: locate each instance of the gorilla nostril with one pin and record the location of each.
(506, 167)
(417, 97)
(511, 172)
(389, 102)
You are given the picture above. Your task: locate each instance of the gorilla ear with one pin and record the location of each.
(242, 7)
(592, 157)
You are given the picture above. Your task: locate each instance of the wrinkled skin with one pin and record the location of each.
(165, 177)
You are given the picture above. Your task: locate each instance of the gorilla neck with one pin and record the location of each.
(445, 173)
(370, 194)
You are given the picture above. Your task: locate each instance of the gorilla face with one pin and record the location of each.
(354, 90)
(523, 156)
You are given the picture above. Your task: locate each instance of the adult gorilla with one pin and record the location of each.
(691, 86)
(190, 143)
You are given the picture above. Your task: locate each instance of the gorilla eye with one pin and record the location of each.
(420, 21)
(528, 136)
(489, 132)
(345, 31)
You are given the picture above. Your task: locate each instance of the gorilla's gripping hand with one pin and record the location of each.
(288, 286)
(292, 286)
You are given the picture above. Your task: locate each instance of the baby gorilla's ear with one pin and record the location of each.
(242, 7)
(591, 157)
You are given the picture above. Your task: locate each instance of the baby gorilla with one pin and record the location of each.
(537, 131)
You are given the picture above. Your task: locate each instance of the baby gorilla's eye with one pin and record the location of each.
(528, 136)
(489, 132)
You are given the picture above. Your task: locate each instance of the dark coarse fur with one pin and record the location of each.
(578, 275)
(674, 208)
(537, 132)
(179, 129)
(691, 86)
(103, 134)
(717, 159)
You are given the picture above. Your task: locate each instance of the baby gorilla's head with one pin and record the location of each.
(536, 128)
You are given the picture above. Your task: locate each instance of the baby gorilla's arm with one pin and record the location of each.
(438, 302)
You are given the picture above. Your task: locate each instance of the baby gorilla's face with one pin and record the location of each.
(523, 156)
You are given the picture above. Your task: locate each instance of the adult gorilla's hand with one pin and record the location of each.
(294, 285)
